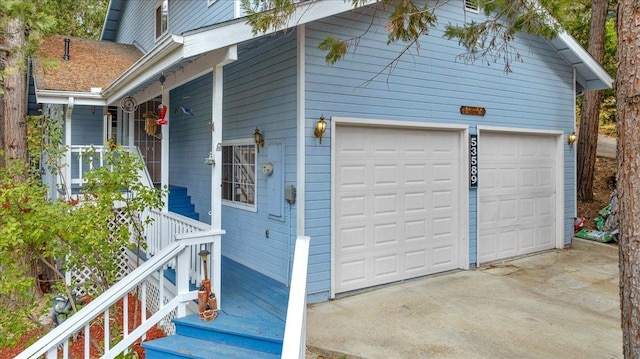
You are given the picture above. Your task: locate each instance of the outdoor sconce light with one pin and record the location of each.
(257, 137)
(572, 138)
(321, 126)
(210, 160)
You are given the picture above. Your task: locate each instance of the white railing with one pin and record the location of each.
(179, 250)
(144, 175)
(79, 165)
(294, 342)
(166, 225)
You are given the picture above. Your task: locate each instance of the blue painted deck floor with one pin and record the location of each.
(249, 325)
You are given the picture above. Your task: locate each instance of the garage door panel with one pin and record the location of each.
(385, 204)
(403, 193)
(415, 203)
(415, 230)
(442, 200)
(353, 207)
(516, 195)
(443, 256)
(415, 174)
(351, 176)
(507, 243)
(385, 234)
(544, 236)
(444, 173)
(352, 239)
(528, 178)
(527, 239)
(416, 261)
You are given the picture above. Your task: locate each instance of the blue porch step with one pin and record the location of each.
(180, 202)
(250, 324)
(174, 348)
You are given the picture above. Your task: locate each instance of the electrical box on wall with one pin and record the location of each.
(290, 194)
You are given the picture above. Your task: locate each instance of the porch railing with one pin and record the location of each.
(180, 251)
(294, 343)
(164, 227)
(79, 165)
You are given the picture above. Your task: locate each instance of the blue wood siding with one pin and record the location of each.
(190, 142)
(428, 85)
(260, 91)
(187, 15)
(137, 24)
(87, 125)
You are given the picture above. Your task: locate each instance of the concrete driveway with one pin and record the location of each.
(557, 304)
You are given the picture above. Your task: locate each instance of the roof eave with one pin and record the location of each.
(599, 79)
(168, 52)
(62, 97)
(202, 40)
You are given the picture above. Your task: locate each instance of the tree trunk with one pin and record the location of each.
(1, 118)
(590, 112)
(15, 85)
(627, 111)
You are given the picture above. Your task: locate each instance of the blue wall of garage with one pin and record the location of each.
(428, 85)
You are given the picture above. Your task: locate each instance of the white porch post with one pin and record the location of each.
(216, 168)
(131, 130)
(216, 143)
(67, 141)
(164, 160)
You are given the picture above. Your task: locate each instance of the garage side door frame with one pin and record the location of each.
(560, 175)
(463, 245)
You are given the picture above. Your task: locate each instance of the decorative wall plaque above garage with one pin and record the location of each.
(471, 110)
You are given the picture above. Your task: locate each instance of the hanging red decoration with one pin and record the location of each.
(163, 112)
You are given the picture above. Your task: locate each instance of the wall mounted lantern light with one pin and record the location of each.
(572, 138)
(257, 137)
(321, 126)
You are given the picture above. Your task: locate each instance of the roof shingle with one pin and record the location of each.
(91, 63)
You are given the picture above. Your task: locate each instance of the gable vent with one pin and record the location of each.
(471, 6)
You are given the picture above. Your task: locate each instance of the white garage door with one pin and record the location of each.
(396, 204)
(516, 194)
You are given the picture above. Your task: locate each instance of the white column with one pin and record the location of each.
(67, 141)
(216, 148)
(131, 132)
(302, 133)
(164, 162)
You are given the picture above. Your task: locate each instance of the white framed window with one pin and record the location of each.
(161, 14)
(471, 6)
(239, 174)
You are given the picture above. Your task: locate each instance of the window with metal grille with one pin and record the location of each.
(239, 174)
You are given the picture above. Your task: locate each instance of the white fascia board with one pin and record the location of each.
(593, 66)
(204, 40)
(62, 97)
(167, 53)
(196, 68)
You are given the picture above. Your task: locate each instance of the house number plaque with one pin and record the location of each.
(473, 161)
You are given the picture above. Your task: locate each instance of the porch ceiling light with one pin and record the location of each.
(321, 126)
(572, 138)
(257, 137)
